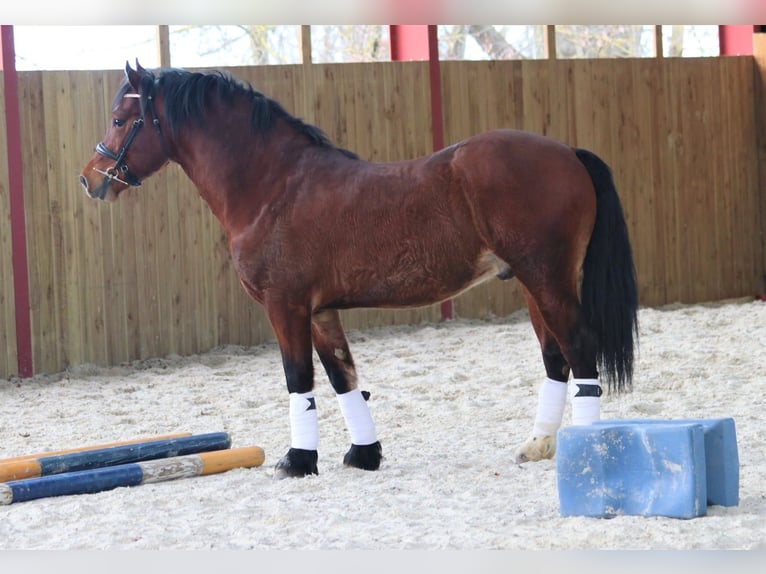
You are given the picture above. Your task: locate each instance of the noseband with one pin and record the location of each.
(120, 170)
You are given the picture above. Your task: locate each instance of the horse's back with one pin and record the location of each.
(527, 157)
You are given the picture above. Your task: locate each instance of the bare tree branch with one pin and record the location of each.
(493, 43)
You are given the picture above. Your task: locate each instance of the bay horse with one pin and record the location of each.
(313, 229)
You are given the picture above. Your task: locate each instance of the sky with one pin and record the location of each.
(84, 47)
(49, 47)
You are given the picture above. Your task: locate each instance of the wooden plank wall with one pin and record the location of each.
(150, 274)
(8, 363)
(759, 58)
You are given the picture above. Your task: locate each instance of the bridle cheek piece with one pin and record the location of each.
(120, 170)
(120, 167)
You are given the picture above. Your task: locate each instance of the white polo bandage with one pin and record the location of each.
(551, 400)
(358, 418)
(304, 425)
(585, 408)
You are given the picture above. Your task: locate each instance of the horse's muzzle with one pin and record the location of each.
(99, 192)
(84, 184)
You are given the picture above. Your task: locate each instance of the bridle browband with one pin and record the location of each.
(120, 167)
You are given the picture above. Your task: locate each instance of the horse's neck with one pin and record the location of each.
(237, 172)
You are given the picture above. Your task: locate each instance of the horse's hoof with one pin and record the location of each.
(296, 463)
(536, 448)
(366, 457)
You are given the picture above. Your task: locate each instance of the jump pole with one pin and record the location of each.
(90, 447)
(132, 474)
(112, 456)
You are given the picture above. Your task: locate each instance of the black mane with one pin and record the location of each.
(187, 95)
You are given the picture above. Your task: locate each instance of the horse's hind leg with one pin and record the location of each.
(332, 347)
(552, 394)
(567, 343)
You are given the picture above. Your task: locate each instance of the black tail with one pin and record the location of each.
(608, 292)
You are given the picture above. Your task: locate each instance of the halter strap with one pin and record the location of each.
(156, 123)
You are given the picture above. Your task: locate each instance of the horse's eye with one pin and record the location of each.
(118, 122)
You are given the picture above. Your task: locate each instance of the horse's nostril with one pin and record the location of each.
(84, 182)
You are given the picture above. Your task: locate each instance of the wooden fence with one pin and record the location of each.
(7, 301)
(150, 274)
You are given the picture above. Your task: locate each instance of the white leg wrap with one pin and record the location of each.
(358, 418)
(304, 426)
(551, 400)
(586, 408)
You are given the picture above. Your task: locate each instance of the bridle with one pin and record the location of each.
(120, 170)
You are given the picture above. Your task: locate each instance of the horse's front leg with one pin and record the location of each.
(292, 327)
(332, 347)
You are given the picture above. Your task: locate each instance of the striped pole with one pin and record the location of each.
(111, 456)
(132, 474)
(90, 447)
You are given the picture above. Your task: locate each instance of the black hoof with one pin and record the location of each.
(296, 463)
(366, 457)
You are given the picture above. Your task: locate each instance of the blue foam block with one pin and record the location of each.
(631, 469)
(721, 456)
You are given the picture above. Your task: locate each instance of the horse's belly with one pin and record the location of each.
(421, 285)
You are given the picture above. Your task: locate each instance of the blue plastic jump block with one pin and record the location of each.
(654, 469)
(721, 456)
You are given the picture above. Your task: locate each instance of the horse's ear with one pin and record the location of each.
(139, 67)
(133, 76)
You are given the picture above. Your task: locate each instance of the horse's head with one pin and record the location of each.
(128, 153)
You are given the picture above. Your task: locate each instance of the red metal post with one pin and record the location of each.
(16, 201)
(437, 120)
(409, 42)
(434, 72)
(735, 40)
(421, 42)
